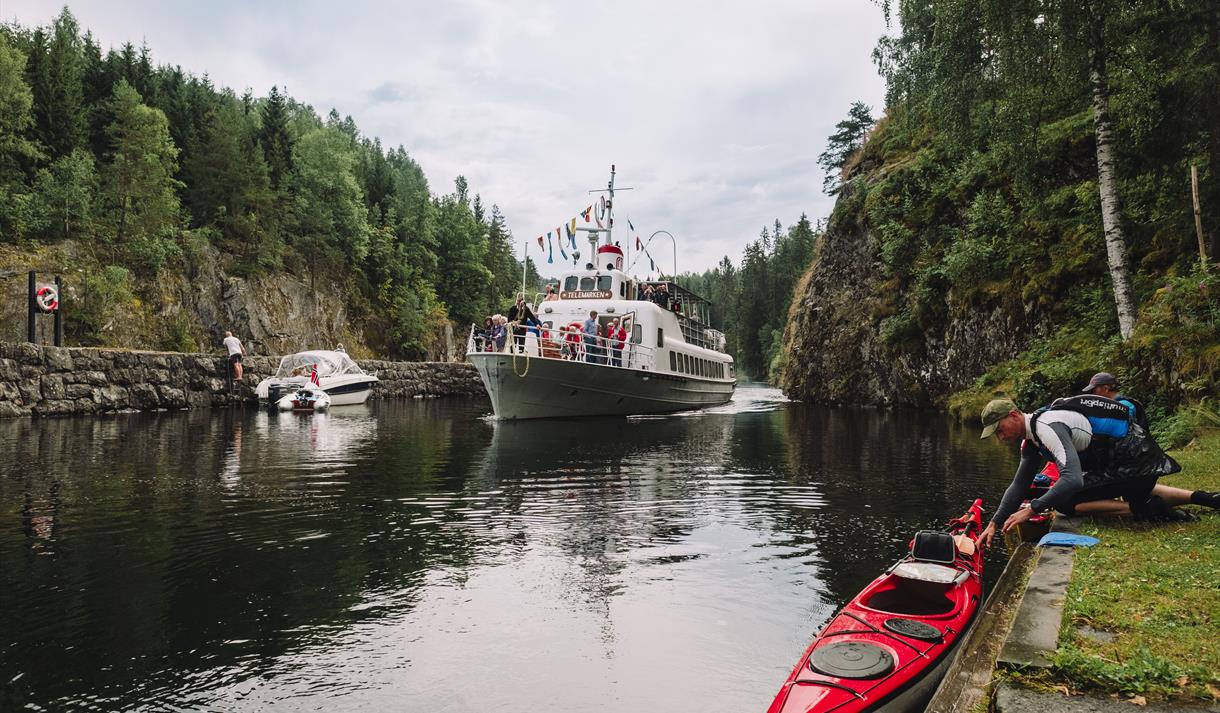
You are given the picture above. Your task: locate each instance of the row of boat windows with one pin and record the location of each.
(687, 364)
(589, 283)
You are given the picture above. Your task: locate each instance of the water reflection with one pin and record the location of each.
(371, 558)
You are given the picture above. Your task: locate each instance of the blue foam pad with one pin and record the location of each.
(1067, 539)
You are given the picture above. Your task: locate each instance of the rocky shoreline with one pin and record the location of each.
(59, 381)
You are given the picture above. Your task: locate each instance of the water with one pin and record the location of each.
(417, 556)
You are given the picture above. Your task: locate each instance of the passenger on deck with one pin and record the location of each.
(550, 294)
(619, 337)
(616, 350)
(520, 316)
(572, 340)
(499, 332)
(646, 293)
(482, 336)
(662, 296)
(590, 330)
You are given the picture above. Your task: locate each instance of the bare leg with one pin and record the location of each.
(1172, 496)
(1103, 507)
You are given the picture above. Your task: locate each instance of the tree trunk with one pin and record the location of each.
(1107, 185)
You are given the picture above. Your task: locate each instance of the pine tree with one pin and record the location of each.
(59, 109)
(849, 136)
(275, 137)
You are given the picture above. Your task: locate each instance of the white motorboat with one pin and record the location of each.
(343, 381)
(306, 398)
(672, 360)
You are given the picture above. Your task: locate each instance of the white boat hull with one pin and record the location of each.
(348, 390)
(557, 388)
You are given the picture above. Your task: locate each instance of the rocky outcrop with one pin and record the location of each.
(193, 304)
(836, 349)
(53, 381)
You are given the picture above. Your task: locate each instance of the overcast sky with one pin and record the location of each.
(714, 112)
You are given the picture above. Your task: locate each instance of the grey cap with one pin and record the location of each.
(1101, 378)
(994, 412)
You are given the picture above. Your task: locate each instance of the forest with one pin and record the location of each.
(1029, 185)
(145, 167)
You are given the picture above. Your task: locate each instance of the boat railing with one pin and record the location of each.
(563, 345)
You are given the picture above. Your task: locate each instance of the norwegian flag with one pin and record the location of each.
(313, 377)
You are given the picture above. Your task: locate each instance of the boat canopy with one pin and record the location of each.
(330, 363)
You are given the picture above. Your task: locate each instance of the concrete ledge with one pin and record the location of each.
(1035, 630)
(966, 682)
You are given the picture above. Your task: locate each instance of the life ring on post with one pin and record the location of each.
(47, 298)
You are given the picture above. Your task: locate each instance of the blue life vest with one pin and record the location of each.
(1107, 418)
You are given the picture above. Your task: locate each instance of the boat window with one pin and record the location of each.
(622, 289)
(637, 334)
(586, 283)
(604, 282)
(686, 363)
(660, 336)
(702, 368)
(673, 361)
(569, 284)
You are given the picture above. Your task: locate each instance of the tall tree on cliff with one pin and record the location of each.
(849, 136)
(275, 137)
(57, 82)
(138, 182)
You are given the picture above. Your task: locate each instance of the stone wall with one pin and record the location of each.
(51, 381)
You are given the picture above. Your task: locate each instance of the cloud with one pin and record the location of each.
(713, 112)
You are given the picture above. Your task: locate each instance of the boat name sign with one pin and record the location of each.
(586, 295)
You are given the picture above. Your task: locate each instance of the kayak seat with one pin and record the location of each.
(913, 598)
(933, 546)
(929, 572)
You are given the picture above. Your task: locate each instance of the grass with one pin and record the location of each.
(1156, 588)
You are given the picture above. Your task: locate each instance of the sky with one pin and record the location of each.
(713, 112)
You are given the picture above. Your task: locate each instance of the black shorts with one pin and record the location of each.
(1135, 492)
(235, 358)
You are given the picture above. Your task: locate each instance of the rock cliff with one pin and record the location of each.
(835, 342)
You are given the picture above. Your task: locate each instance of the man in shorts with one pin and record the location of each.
(236, 350)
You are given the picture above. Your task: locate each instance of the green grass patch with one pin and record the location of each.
(1156, 589)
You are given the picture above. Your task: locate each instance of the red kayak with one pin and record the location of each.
(889, 647)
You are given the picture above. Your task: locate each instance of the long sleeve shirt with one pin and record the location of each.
(1064, 434)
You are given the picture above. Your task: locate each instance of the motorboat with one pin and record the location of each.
(338, 375)
(888, 648)
(671, 359)
(306, 398)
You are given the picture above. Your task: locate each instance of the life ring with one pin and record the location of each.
(47, 298)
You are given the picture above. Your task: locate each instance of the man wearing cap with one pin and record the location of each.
(1065, 435)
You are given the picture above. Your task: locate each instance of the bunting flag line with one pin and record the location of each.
(539, 241)
(572, 233)
(638, 246)
(550, 251)
(561, 252)
(629, 225)
(587, 212)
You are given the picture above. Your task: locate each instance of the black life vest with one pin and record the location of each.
(1107, 418)
(1122, 449)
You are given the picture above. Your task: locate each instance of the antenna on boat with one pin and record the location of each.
(595, 232)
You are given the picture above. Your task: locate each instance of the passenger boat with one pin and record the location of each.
(672, 359)
(338, 375)
(887, 649)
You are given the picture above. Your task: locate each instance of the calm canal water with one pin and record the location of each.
(416, 556)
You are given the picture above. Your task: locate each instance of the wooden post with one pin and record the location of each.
(59, 312)
(31, 309)
(1194, 192)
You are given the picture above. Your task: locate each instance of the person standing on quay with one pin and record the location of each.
(236, 350)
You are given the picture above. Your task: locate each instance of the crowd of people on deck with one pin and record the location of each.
(590, 341)
(1089, 454)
